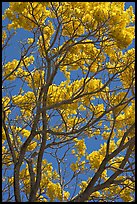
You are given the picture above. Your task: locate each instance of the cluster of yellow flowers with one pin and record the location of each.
(121, 19)
(115, 162)
(79, 151)
(32, 146)
(26, 102)
(112, 147)
(30, 40)
(111, 191)
(53, 187)
(9, 67)
(74, 166)
(27, 60)
(5, 105)
(99, 109)
(6, 157)
(127, 118)
(80, 147)
(57, 94)
(53, 190)
(72, 121)
(44, 41)
(36, 79)
(4, 36)
(128, 74)
(84, 184)
(122, 62)
(56, 188)
(76, 18)
(26, 15)
(19, 72)
(106, 135)
(80, 17)
(117, 99)
(78, 165)
(80, 54)
(73, 27)
(123, 192)
(95, 159)
(3, 135)
(61, 92)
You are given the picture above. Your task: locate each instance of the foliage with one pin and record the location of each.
(68, 102)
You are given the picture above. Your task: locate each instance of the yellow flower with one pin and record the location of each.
(56, 188)
(30, 40)
(9, 67)
(80, 146)
(66, 195)
(4, 36)
(96, 194)
(32, 146)
(99, 109)
(74, 166)
(3, 135)
(73, 151)
(25, 132)
(95, 159)
(81, 107)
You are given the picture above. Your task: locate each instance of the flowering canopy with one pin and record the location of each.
(47, 124)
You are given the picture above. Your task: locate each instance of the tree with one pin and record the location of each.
(68, 102)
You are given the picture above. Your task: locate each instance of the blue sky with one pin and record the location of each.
(13, 52)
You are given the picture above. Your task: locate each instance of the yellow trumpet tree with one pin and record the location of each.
(68, 102)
